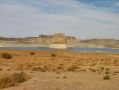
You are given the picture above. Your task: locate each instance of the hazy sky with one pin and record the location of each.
(81, 18)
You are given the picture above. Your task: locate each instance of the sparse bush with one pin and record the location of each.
(57, 77)
(102, 59)
(60, 67)
(107, 72)
(72, 68)
(1, 69)
(53, 55)
(58, 72)
(8, 69)
(106, 77)
(116, 72)
(115, 61)
(58, 89)
(6, 56)
(32, 53)
(92, 69)
(101, 68)
(64, 77)
(42, 69)
(93, 64)
(107, 69)
(82, 70)
(12, 80)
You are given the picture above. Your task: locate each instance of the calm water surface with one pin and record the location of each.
(68, 49)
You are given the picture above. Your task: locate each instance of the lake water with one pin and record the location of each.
(68, 49)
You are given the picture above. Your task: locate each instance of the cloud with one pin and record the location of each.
(31, 17)
(116, 4)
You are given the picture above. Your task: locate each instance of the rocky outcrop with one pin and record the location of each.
(100, 43)
(58, 38)
(41, 40)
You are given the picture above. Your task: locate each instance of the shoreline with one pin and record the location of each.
(41, 46)
(76, 49)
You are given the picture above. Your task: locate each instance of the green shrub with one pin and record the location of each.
(6, 56)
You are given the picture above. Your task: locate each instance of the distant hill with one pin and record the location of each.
(45, 40)
(108, 43)
(41, 40)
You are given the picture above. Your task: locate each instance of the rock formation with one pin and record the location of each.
(44, 40)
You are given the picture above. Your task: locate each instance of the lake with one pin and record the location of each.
(68, 49)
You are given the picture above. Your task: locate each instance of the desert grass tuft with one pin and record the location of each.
(106, 77)
(32, 53)
(64, 77)
(1, 69)
(72, 68)
(6, 56)
(12, 80)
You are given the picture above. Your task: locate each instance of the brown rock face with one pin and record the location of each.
(58, 38)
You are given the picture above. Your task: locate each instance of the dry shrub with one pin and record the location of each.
(6, 56)
(107, 69)
(116, 72)
(82, 70)
(39, 68)
(53, 55)
(58, 72)
(32, 53)
(72, 68)
(12, 80)
(106, 72)
(1, 69)
(106, 77)
(102, 68)
(57, 77)
(92, 69)
(64, 77)
(58, 89)
(60, 67)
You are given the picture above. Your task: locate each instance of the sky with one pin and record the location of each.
(84, 19)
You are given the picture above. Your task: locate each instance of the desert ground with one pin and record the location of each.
(58, 70)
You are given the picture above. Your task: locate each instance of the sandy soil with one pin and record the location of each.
(62, 70)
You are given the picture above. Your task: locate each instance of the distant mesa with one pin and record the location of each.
(58, 40)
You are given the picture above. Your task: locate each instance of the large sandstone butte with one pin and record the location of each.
(43, 40)
(58, 38)
(46, 40)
